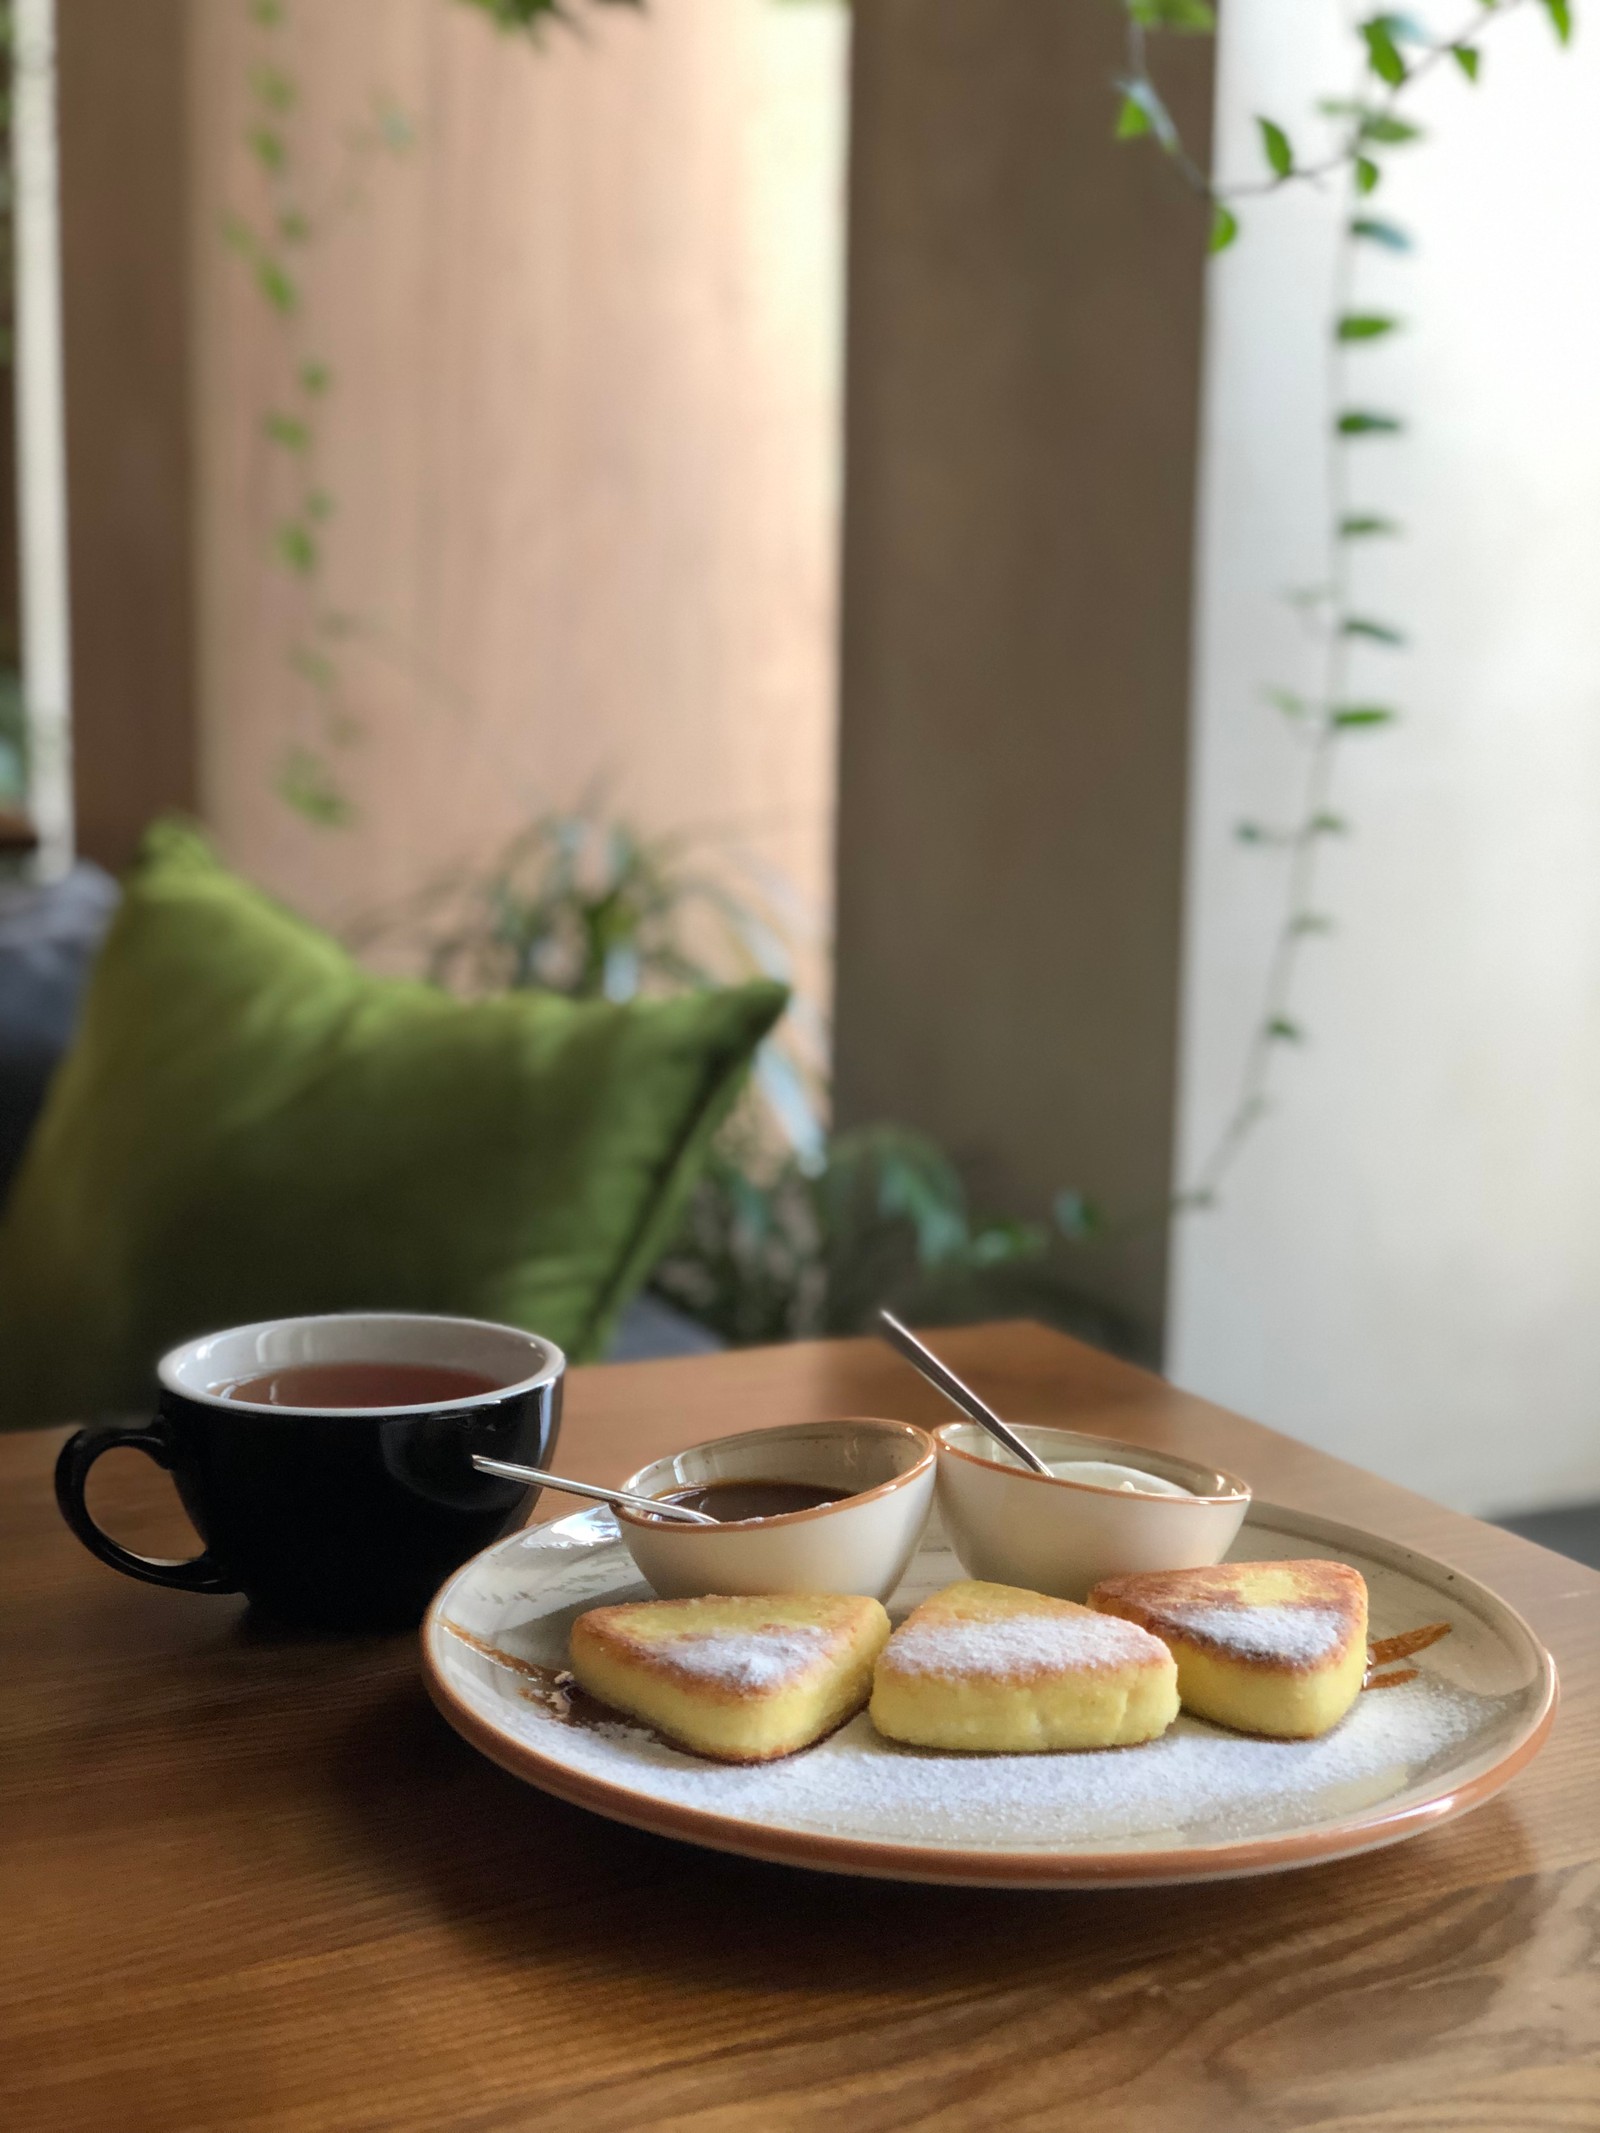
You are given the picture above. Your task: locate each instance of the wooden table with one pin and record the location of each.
(257, 1883)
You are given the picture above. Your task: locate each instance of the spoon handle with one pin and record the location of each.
(961, 1395)
(676, 1513)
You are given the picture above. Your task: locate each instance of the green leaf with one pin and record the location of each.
(1307, 922)
(1378, 231)
(319, 506)
(275, 284)
(396, 128)
(306, 784)
(1383, 54)
(293, 227)
(268, 13)
(315, 378)
(1365, 525)
(1254, 833)
(1367, 175)
(1326, 824)
(1142, 111)
(286, 430)
(1349, 715)
(271, 149)
(1224, 226)
(1284, 1030)
(273, 88)
(1389, 131)
(1468, 58)
(1560, 13)
(1077, 1216)
(313, 666)
(1286, 701)
(1275, 147)
(1363, 422)
(1365, 326)
(1374, 632)
(296, 547)
(238, 236)
(529, 14)
(1191, 18)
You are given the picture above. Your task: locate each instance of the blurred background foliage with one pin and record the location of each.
(13, 735)
(534, 14)
(794, 1230)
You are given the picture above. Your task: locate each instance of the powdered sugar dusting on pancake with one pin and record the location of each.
(752, 1661)
(1020, 1646)
(1290, 1635)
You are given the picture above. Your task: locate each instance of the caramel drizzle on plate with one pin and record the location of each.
(546, 1685)
(1391, 1681)
(1386, 1650)
(552, 1688)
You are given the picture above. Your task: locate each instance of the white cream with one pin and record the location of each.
(1106, 1474)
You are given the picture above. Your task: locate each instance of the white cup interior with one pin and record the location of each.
(516, 1360)
(1053, 1445)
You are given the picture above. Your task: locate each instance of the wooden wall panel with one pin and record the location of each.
(125, 175)
(581, 439)
(1023, 374)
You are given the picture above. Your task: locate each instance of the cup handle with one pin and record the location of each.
(200, 1573)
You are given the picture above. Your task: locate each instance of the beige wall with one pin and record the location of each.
(1022, 388)
(581, 439)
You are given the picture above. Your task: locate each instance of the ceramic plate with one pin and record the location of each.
(1200, 1804)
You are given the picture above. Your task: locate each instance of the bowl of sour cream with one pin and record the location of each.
(1104, 1508)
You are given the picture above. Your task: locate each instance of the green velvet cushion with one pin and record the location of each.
(249, 1124)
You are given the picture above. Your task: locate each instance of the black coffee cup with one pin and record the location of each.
(328, 1515)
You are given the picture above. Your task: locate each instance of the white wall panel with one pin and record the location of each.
(1405, 1267)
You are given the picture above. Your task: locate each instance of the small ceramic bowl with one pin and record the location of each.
(1060, 1536)
(861, 1544)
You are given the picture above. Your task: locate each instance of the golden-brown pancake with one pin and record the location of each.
(743, 1680)
(1276, 1648)
(996, 1669)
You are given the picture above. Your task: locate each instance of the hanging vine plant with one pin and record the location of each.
(534, 14)
(276, 241)
(1361, 129)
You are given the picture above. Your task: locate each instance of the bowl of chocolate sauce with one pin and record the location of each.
(732, 1503)
(830, 1506)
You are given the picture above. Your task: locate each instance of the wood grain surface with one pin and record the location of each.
(254, 1882)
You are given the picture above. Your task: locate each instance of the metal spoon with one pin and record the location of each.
(677, 1513)
(962, 1396)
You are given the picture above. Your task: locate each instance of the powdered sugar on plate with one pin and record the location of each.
(1299, 1636)
(1196, 1784)
(1019, 1645)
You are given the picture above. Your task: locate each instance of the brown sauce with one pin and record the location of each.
(731, 1502)
(552, 1688)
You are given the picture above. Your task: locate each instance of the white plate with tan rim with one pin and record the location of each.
(1200, 1804)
